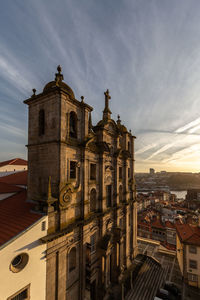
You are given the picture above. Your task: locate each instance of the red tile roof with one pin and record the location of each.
(15, 216)
(8, 188)
(168, 246)
(157, 224)
(18, 178)
(169, 224)
(189, 234)
(15, 161)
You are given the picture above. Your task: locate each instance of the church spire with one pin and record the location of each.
(107, 112)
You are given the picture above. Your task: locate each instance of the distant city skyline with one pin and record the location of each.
(147, 53)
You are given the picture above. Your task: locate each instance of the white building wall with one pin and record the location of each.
(13, 168)
(6, 195)
(34, 272)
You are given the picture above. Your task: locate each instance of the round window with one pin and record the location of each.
(19, 262)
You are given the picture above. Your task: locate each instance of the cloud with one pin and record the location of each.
(188, 126)
(146, 148)
(195, 128)
(146, 54)
(12, 130)
(161, 150)
(10, 73)
(184, 154)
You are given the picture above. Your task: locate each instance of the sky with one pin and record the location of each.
(146, 52)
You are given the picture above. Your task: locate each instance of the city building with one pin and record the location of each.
(193, 198)
(13, 165)
(188, 253)
(170, 234)
(151, 171)
(22, 254)
(82, 177)
(158, 230)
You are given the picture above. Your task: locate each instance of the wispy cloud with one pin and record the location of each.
(188, 126)
(194, 129)
(12, 130)
(13, 75)
(146, 148)
(148, 55)
(161, 150)
(185, 154)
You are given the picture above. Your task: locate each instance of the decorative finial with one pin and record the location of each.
(130, 130)
(118, 120)
(82, 98)
(58, 76)
(34, 91)
(59, 69)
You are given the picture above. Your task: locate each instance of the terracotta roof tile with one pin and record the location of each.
(169, 224)
(15, 161)
(157, 223)
(15, 216)
(189, 234)
(18, 178)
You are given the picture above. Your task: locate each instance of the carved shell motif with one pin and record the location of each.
(66, 196)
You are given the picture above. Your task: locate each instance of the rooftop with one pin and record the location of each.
(8, 188)
(14, 161)
(158, 224)
(18, 178)
(189, 234)
(169, 224)
(15, 216)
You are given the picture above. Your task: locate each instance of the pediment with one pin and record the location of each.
(111, 127)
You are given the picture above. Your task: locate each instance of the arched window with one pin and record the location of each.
(72, 259)
(120, 193)
(41, 122)
(93, 200)
(73, 124)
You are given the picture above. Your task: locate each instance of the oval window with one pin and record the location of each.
(19, 262)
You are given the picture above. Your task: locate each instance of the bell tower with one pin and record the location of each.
(58, 123)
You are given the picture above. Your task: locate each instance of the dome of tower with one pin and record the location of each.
(58, 82)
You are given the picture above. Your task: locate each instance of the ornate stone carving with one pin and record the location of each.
(66, 195)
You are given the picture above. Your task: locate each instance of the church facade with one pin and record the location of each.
(82, 177)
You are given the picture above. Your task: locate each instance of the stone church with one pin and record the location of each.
(82, 177)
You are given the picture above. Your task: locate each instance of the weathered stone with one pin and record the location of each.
(63, 144)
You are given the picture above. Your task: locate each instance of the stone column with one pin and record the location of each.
(101, 183)
(125, 180)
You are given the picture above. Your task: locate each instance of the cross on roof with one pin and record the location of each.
(107, 95)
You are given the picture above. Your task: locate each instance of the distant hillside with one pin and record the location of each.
(183, 181)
